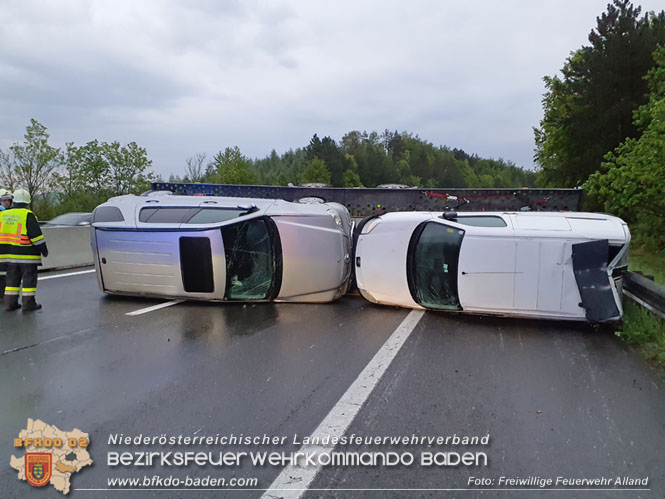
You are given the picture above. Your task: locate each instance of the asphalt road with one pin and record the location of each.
(555, 399)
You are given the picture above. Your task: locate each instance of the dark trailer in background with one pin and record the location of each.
(364, 202)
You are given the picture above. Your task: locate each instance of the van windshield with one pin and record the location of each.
(253, 260)
(432, 265)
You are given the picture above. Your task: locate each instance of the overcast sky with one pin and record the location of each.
(197, 76)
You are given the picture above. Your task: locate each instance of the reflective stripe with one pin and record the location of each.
(19, 258)
(27, 290)
(11, 288)
(14, 239)
(13, 243)
(38, 238)
(3, 273)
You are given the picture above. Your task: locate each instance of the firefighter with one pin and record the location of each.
(5, 199)
(5, 203)
(23, 248)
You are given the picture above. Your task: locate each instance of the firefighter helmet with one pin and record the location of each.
(21, 196)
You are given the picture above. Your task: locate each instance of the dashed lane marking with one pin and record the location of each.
(40, 278)
(154, 307)
(293, 481)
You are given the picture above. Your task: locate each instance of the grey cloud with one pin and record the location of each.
(182, 77)
(114, 86)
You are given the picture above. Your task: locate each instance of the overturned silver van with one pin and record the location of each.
(219, 248)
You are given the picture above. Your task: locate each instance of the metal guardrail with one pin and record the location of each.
(363, 202)
(645, 292)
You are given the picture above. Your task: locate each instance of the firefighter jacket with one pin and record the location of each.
(21, 239)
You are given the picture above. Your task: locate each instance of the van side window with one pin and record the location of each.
(189, 215)
(481, 221)
(159, 215)
(215, 215)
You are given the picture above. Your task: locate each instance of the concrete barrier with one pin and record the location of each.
(67, 247)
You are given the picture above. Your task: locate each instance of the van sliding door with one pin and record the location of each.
(163, 263)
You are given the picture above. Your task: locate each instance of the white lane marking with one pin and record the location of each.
(293, 481)
(154, 307)
(40, 278)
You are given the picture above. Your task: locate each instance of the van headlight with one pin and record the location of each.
(370, 226)
(335, 216)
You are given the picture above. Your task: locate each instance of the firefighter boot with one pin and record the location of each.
(29, 304)
(11, 302)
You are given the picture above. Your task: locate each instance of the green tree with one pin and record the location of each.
(81, 191)
(352, 179)
(31, 165)
(129, 167)
(327, 150)
(231, 167)
(631, 182)
(86, 169)
(98, 170)
(588, 111)
(315, 171)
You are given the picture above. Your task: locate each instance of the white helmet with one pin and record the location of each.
(5, 194)
(21, 196)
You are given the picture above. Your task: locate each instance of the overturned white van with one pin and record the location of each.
(547, 265)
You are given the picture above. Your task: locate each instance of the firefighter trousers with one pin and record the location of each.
(21, 277)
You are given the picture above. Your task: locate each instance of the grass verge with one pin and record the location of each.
(645, 331)
(647, 261)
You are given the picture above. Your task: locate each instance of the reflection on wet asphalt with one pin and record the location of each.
(206, 367)
(211, 368)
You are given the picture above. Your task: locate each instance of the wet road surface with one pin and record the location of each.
(556, 399)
